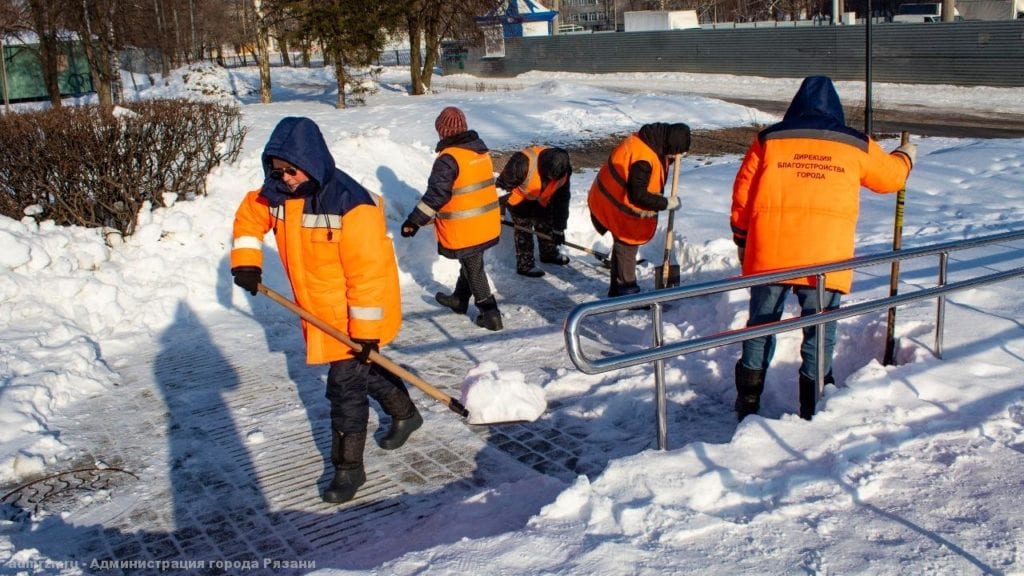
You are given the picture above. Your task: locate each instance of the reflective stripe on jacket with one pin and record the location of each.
(471, 216)
(532, 187)
(609, 197)
(340, 263)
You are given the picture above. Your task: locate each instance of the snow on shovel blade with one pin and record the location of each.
(495, 397)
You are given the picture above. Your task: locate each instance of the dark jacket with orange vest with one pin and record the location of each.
(332, 240)
(461, 197)
(627, 194)
(531, 193)
(796, 197)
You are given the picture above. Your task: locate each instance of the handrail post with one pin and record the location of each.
(819, 380)
(940, 304)
(659, 378)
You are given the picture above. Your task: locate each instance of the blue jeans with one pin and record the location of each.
(766, 305)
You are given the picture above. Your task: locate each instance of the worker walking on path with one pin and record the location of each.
(333, 243)
(537, 182)
(628, 193)
(462, 201)
(795, 202)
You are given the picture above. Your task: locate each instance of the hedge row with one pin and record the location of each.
(79, 165)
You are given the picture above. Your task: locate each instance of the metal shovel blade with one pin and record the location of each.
(669, 281)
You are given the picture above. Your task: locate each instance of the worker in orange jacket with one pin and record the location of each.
(537, 181)
(332, 240)
(628, 193)
(462, 202)
(795, 202)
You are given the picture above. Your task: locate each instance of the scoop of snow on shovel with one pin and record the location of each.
(493, 396)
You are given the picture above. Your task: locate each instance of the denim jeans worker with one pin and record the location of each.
(766, 306)
(795, 203)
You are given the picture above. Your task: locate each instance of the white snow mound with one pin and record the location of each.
(491, 395)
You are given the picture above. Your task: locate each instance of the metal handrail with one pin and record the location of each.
(660, 351)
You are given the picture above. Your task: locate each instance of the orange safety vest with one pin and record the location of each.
(531, 187)
(342, 268)
(609, 198)
(472, 216)
(796, 200)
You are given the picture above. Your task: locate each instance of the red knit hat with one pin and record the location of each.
(450, 121)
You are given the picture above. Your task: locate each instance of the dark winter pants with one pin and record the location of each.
(348, 383)
(472, 274)
(623, 275)
(541, 223)
(766, 305)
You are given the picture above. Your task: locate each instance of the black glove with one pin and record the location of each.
(409, 229)
(558, 236)
(363, 354)
(248, 278)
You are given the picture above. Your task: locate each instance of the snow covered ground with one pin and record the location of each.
(906, 469)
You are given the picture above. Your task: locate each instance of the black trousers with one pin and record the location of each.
(350, 384)
(541, 223)
(473, 279)
(623, 274)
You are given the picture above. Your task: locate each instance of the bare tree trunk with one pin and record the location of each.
(282, 44)
(415, 57)
(197, 50)
(339, 73)
(110, 47)
(3, 77)
(45, 29)
(262, 47)
(178, 52)
(433, 43)
(165, 65)
(97, 54)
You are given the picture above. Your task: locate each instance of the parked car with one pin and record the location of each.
(924, 12)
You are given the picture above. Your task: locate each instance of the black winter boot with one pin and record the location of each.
(530, 272)
(749, 386)
(809, 394)
(808, 397)
(405, 419)
(458, 300)
(489, 317)
(349, 473)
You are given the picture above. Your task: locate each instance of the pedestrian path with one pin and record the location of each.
(210, 455)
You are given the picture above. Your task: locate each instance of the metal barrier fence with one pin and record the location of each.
(962, 53)
(660, 351)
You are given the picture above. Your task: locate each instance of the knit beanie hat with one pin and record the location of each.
(450, 121)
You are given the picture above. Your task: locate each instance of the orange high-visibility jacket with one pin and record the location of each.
(796, 198)
(341, 268)
(609, 198)
(472, 215)
(532, 187)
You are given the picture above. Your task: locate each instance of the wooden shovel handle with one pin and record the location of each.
(666, 265)
(376, 357)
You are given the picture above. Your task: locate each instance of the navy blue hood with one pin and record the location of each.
(299, 142)
(815, 106)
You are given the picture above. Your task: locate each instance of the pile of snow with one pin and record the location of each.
(493, 395)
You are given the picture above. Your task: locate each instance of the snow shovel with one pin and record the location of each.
(667, 275)
(889, 357)
(604, 258)
(453, 404)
